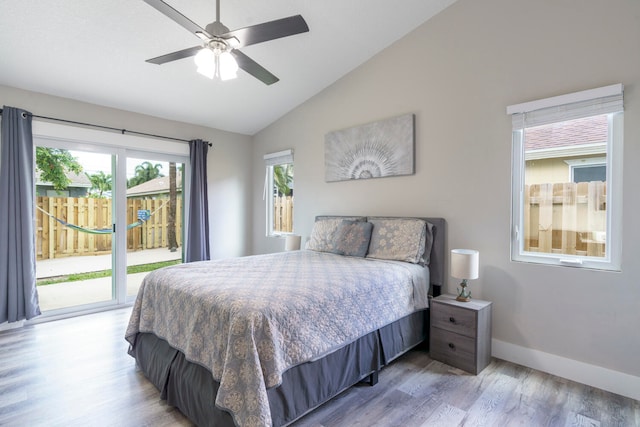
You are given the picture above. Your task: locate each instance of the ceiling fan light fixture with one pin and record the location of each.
(217, 62)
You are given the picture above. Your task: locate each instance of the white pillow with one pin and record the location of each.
(398, 239)
(323, 234)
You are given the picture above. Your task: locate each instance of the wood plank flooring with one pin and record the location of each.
(76, 372)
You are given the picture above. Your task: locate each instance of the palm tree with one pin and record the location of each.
(100, 182)
(283, 178)
(145, 172)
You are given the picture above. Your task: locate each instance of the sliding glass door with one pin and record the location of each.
(74, 226)
(155, 207)
(105, 217)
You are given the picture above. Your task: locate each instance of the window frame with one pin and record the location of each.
(614, 147)
(272, 160)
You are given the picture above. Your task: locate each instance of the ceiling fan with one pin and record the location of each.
(219, 56)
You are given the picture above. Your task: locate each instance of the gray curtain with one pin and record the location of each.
(197, 247)
(18, 294)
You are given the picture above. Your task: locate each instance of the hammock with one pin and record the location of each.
(100, 230)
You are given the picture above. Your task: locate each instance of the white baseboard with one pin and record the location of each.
(592, 375)
(6, 326)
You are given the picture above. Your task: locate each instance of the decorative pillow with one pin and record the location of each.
(399, 239)
(352, 238)
(323, 234)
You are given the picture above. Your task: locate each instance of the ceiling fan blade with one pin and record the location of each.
(177, 17)
(184, 53)
(253, 68)
(268, 31)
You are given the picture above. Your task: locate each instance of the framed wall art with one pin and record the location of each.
(374, 150)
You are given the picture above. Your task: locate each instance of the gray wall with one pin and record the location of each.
(457, 73)
(227, 167)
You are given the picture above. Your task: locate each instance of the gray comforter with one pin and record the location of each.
(250, 319)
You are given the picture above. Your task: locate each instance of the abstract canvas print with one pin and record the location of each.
(374, 150)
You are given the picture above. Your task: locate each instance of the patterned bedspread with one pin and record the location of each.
(250, 319)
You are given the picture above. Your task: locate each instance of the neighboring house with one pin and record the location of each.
(79, 187)
(577, 155)
(155, 188)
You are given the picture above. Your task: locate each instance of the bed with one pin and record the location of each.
(263, 340)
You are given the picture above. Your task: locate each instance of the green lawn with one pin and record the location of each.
(105, 273)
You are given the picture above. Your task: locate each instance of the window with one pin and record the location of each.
(567, 179)
(586, 170)
(278, 192)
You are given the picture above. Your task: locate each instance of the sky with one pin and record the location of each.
(95, 162)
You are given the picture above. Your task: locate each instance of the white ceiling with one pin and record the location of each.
(95, 51)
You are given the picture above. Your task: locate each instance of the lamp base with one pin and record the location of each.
(464, 294)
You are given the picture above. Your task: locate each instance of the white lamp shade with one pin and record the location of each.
(292, 242)
(464, 263)
(228, 66)
(205, 60)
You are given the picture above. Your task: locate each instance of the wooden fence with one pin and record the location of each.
(283, 213)
(566, 218)
(55, 240)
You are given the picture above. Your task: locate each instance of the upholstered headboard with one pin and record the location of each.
(437, 264)
(437, 258)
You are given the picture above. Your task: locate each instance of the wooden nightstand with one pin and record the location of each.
(460, 333)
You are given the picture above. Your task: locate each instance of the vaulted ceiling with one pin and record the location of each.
(95, 52)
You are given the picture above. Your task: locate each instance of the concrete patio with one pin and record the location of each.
(68, 294)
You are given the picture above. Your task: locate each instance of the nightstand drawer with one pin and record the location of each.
(454, 319)
(453, 349)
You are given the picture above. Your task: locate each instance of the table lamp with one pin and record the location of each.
(464, 265)
(292, 242)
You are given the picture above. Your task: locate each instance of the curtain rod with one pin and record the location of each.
(122, 131)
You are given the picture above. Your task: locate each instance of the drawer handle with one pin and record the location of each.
(452, 346)
(452, 319)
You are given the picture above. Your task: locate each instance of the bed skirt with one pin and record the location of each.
(192, 389)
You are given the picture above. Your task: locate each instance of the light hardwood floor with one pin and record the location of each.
(76, 372)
